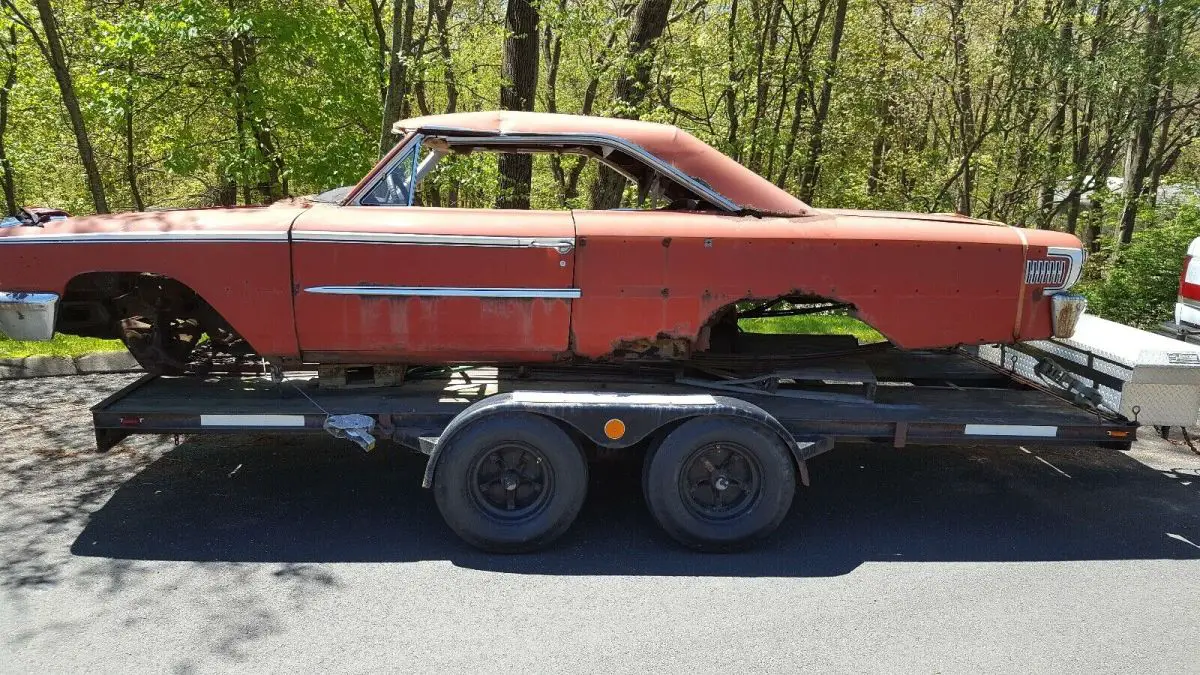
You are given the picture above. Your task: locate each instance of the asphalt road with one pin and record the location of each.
(284, 554)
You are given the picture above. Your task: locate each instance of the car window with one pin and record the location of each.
(395, 187)
(470, 173)
(473, 181)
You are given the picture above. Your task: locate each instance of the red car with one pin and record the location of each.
(383, 276)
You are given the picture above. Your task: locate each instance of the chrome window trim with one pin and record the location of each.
(447, 292)
(207, 236)
(28, 316)
(466, 136)
(419, 239)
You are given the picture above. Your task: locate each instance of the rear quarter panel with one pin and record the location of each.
(922, 284)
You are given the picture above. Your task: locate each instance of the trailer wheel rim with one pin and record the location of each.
(720, 481)
(512, 482)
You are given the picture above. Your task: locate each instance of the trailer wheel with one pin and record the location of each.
(719, 483)
(510, 482)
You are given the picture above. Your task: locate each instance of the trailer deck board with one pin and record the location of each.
(941, 405)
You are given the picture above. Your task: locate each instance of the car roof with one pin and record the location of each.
(669, 143)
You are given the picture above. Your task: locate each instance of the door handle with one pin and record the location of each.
(563, 246)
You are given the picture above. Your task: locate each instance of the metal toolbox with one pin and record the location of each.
(1145, 377)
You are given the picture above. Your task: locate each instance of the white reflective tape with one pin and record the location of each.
(1010, 430)
(631, 399)
(252, 420)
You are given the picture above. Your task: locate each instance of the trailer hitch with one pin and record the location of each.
(354, 428)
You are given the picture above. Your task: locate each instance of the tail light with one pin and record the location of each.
(1189, 279)
(1058, 271)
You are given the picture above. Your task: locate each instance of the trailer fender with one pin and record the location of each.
(614, 420)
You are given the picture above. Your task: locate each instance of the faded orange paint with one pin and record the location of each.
(247, 283)
(425, 328)
(923, 280)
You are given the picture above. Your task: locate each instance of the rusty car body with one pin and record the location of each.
(378, 278)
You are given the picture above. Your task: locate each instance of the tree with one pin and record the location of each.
(812, 164)
(51, 45)
(1137, 153)
(7, 179)
(519, 75)
(632, 88)
(395, 100)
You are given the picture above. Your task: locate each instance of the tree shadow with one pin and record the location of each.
(300, 499)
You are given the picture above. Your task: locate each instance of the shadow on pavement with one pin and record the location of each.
(293, 499)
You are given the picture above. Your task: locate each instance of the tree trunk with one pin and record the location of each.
(519, 76)
(130, 155)
(1066, 42)
(1159, 156)
(803, 94)
(381, 50)
(812, 164)
(649, 21)
(66, 87)
(733, 75)
(7, 179)
(884, 110)
(244, 57)
(1137, 155)
(441, 11)
(965, 104)
(397, 86)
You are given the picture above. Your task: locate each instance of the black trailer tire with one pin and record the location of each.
(720, 483)
(510, 482)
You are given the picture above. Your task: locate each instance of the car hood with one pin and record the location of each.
(231, 223)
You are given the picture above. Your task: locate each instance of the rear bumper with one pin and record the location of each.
(28, 316)
(1186, 332)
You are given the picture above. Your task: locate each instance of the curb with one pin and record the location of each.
(58, 366)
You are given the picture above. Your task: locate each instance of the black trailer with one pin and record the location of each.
(509, 447)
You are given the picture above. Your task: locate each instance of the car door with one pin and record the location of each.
(426, 285)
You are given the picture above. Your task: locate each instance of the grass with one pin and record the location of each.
(61, 345)
(814, 324)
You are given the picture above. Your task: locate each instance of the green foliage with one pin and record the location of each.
(167, 98)
(831, 323)
(1137, 284)
(61, 345)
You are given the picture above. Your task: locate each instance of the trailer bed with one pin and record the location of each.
(915, 397)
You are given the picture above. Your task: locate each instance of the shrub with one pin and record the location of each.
(1137, 284)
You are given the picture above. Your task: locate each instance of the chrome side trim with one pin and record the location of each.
(447, 292)
(207, 236)
(415, 239)
(1188, 302)
(28, 316)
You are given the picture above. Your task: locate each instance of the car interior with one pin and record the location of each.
(466, 171)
